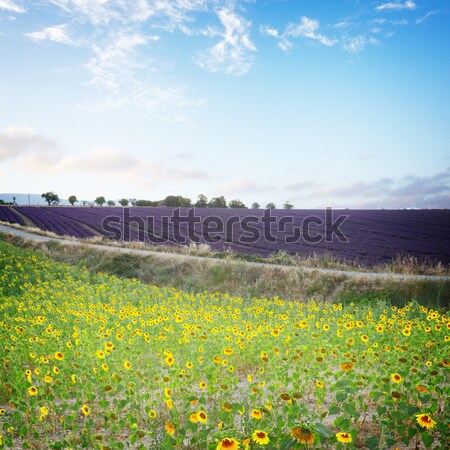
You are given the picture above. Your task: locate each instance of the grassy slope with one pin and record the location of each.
(243, 280)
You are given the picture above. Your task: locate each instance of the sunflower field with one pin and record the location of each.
(93, 361)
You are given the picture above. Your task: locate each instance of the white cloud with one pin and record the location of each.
(306, 28)
(56, 34)
(113, 64)
(10, 6)
(424, 18)
(358, 43)
(232, 55)
(408, 4)
(19, 141)
(268, 31)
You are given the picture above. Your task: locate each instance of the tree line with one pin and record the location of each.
(173, 201)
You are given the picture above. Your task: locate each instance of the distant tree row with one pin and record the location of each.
(173, 201)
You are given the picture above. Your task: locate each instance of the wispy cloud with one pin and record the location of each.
(357, 43)
(57, 33)
(306, 28)
(233, 54)
(409, 4)
(8, 5)
(425, 18)
(114, 63)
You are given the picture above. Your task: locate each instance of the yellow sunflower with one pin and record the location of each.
(170, 428)
(396, 378)
(425, 421)
(256, 414)
(260, 437)
(228, 444)
(344, 437)
(85, 410)
(303, 436)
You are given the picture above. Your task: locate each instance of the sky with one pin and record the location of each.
(342, 103)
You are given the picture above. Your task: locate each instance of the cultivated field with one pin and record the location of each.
(371, 237)
(92, 361)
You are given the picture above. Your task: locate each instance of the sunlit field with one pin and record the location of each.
(93, 361)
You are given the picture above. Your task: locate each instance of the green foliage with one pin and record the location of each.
(177, 201)
(236, 204)
(271, 205)
(51, 198)
(217, 202)
(72, 200)
(100, 200)
(202, 202)
(124, 202)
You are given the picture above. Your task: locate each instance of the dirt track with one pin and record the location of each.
(177, 256)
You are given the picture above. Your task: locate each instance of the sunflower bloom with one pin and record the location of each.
(346, 367)
(256, 414)
(202, 417)
(425, 421)
(396, 378)
(344, 437)
(303, 436)
(228, 444)
(260, 437)
(59, 356)
(127, 365)
(32, 390)
(193, 418)
(85, 410)
(170, 428)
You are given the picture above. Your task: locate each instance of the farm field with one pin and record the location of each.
(93, 361)
(373, 237)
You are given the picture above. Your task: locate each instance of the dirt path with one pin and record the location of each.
(177, 256)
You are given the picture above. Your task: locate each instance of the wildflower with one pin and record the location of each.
(32, 390)
(319, 384)
(85, 410)
(202, 385)
(396, 378)
(344, 437)
(260, 437)
(425, 421)
(256, 414)
(228, 444)
(170, 428)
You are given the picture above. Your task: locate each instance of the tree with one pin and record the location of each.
(288, 205)
(271, 205)
(255, 205)
(73, 200)
(202, 202)
(51, 198)
(236, 204)
(176, 201)
(217, 202)
(111, 203)
(146, 203)
(100, 200)
(123, 202)
(133, 201)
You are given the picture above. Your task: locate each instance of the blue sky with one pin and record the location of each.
(321, 103)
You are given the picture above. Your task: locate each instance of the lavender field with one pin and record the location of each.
(369, 237)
